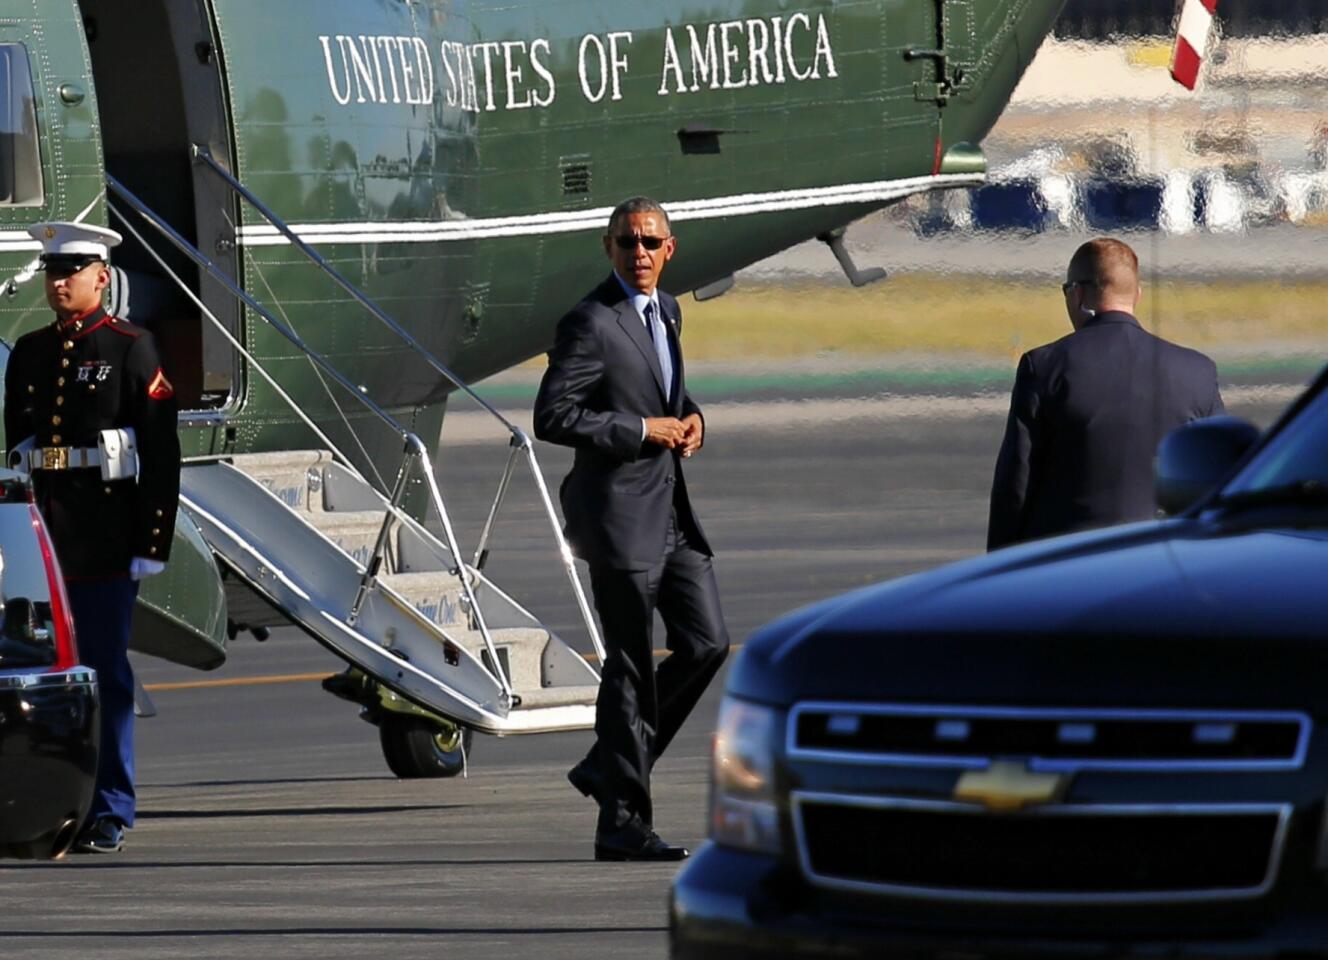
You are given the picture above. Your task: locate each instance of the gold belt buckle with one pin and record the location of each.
(55, 458)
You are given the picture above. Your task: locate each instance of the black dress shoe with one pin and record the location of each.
(588, 780)
(104, 835)
(636, 841)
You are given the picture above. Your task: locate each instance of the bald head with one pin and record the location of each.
(1103, 275)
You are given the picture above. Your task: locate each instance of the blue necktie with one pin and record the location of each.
(661, 338)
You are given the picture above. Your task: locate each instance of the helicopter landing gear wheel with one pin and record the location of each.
(415, 748)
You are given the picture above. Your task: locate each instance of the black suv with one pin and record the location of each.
(1110, 744)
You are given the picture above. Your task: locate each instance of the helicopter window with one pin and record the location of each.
(20, 156)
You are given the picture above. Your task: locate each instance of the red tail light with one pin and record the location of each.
(66, 647)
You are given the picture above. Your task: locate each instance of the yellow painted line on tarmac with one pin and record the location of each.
(289, 678)
(235, 682)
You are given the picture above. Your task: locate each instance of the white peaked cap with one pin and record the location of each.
(74, 240)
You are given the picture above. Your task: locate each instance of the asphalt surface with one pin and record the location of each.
(270, 826)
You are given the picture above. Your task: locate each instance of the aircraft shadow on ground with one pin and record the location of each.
(261, 782)
(121, 935)
(355, 810)
(83, 863)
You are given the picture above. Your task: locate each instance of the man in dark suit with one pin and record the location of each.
(614, 390)
(1088, 411)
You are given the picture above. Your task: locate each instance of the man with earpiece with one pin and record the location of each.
(1088, 411)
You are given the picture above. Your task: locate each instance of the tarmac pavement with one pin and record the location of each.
(270, 826)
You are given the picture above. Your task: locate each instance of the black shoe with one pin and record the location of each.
(636, 841)
(588, 780)
(105, 835)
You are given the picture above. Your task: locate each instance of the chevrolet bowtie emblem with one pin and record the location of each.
(1009, 787)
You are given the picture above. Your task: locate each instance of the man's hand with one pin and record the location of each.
(693, 434)
(665, 431)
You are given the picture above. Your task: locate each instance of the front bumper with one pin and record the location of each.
(731, 905)
(49, 729)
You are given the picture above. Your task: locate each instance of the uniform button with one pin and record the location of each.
(55, 439)
(156, 531)
(160, 514)
(92, 388)
(59, 382)
(31, 389)
(108, 490)
(152, 549)
(59, 401)
(56, 421)
(64, 362)
(69, 344)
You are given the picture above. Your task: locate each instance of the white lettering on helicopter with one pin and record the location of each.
(748, 53)
(363, 77)
(519, 75)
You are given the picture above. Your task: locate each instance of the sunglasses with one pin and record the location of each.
(628, 242)
(63, 271)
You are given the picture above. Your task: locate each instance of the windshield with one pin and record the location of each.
(1298, 455)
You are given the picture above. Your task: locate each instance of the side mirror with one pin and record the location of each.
(1192, 459)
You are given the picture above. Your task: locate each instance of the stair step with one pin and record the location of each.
(354, 532)
(294, 477)
(556, 696)
(280, 461)
(520, 650)
(436, 595)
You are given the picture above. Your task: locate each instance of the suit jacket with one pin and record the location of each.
(1086, 416)
(603, 378)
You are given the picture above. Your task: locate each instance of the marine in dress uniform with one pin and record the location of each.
(85, 373)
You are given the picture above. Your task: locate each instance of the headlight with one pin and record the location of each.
(742, 794)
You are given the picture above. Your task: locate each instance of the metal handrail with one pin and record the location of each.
(520, 440)
(414, 447)
(230, 338)
(204, 156)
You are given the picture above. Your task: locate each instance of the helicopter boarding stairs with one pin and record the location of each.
(301, 536)
(299, 529)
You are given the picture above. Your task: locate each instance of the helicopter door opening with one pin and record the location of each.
(159, 91)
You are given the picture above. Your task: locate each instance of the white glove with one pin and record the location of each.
(140, 568)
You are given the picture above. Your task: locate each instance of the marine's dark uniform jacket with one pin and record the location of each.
(67, 382)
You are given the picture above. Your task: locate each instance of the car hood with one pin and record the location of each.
(1149, 614)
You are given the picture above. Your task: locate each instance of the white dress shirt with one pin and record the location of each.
(639, 302)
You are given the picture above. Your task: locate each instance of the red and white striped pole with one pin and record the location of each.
(1192, 35)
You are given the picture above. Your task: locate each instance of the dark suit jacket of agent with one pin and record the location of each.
(1086, 416)
(603, 379)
